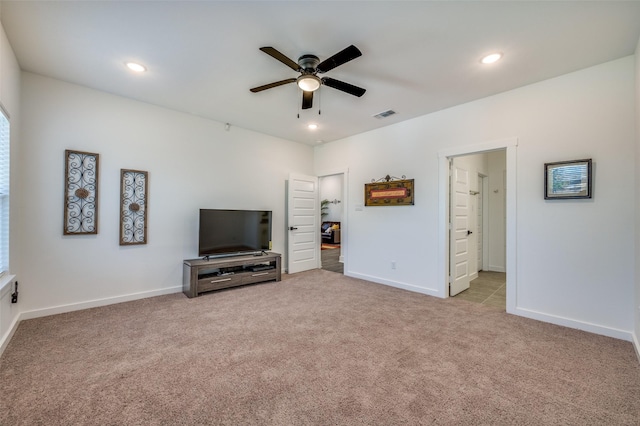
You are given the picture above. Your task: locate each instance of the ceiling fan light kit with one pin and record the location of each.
(309, 82)
(309, 66)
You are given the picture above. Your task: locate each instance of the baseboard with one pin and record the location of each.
(496, 268)
(61, 309)
(396, 284)
(473, 276)
(636, 345)
(6, 284)
(579, 325)
(4, 341)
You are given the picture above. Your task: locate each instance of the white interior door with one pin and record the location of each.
(303, 224)
(459, 233)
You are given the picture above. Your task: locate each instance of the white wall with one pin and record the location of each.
(10, 99)
(331, 189)
(192, 163)
(575, 260)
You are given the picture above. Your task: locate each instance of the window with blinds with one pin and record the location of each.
(4, 192)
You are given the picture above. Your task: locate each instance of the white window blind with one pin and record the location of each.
(4, 192)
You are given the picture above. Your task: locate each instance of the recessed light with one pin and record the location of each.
(135, 67)
(490, 59)
(312, 126)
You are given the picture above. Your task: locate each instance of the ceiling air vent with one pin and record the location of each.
(385, 114)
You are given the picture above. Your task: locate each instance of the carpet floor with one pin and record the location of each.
(317, 348)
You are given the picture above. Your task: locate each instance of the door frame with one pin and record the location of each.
(510, 146)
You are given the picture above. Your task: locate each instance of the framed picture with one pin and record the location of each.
(134, 203)
(389, 193)
(567, 180)
(80, 192)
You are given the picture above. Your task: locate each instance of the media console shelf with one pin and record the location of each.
(201, 275)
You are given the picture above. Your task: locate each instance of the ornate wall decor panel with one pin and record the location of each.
(80, 193)
(133, 207)
(389, 191)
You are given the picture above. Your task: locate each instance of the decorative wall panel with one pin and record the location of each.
(81, 193)
(133, 207)
(389, 191)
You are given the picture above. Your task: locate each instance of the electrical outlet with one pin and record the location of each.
(393, 264)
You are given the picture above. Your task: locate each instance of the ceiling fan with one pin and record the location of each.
(309, 66)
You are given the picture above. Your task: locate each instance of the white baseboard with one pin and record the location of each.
(61, 309)
(579, 325)
(4, 340)
(636, 345)
(6, 284)
(473, 276)
(396, 284)
(496, 268)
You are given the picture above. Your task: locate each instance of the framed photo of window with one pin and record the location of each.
(568, 180)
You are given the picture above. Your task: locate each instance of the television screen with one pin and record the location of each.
(228, 232)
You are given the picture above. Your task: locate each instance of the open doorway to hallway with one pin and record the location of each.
(478, 228)
(332, 223)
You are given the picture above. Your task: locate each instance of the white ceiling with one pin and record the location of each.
(418, 56)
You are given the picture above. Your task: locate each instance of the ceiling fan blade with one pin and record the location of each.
(339, 58)
(345, 87)
(274, 84)
(307, 100)
(282, 58)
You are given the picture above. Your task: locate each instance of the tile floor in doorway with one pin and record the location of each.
(331, 260)
(490, 289)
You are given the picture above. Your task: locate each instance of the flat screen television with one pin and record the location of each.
(233, 232)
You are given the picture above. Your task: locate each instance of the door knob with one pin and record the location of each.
(469, 232)
(292, 228)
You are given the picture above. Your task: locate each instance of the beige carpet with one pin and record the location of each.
(317, 348)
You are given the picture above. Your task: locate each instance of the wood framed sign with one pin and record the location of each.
(80, 193)
(389, 193)
(133, 207)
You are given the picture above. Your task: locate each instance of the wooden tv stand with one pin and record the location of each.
(201, 275)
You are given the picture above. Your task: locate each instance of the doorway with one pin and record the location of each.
(505, 221)
(477, 256)
(331, 189)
